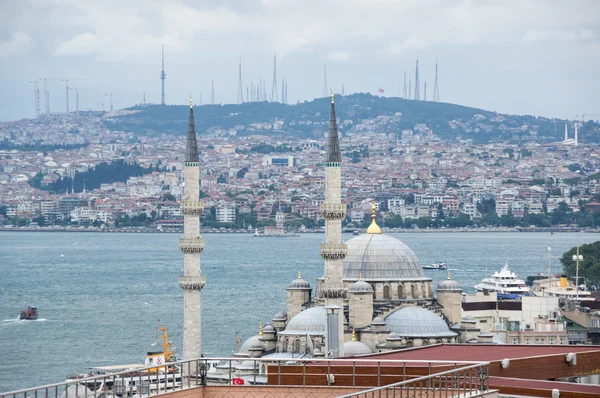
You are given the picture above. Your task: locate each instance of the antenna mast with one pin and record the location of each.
(240, 98)
(436, 87)
(274, 89)
(417, 89)
(163, 76)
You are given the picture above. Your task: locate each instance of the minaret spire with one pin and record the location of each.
(333, 250)
(191, 244)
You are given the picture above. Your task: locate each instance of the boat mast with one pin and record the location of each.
(549, 261)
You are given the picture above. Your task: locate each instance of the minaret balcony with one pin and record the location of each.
(192, 207)
(332, 290)
(333, 211)
(191, 245)
(333, 251)
(192, 282)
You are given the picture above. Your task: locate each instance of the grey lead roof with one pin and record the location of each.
(191, 146)
(333, 141)
(416, 321)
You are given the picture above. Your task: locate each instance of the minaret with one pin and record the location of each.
(191, 244)
(333, 250)
(566, 132)
(576, 134)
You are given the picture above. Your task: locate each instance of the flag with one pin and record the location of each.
(381, 90)
(237, 381)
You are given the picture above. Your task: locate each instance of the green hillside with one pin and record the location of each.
(448, 121)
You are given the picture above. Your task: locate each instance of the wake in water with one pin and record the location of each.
(26, 320)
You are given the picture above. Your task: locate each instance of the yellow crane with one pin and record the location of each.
(582, 117)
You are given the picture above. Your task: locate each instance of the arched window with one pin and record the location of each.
(286, 345)
(425, 342)
(413, 292)
(386, 292)
(400, 292)
(409, 343)
(297, 345)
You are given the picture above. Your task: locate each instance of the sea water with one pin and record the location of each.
(100, 295)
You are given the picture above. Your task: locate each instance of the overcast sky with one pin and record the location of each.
(510, 56)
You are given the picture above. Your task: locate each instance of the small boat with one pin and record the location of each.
(355, 232)
(438, 265)
(30, 314)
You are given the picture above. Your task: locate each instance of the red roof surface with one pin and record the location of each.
(496, 382)
(479, 352)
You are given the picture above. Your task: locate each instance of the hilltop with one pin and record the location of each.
(309, 120)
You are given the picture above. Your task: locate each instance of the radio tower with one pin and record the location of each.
(417, 90)
(212, 92)
(240, 87)
(163, 76)
(274, 89)
(325, 82)
(404, 90)
(436, 87)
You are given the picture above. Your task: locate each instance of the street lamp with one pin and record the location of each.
(577, 258)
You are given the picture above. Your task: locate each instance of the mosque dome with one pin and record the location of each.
(355, 348)
(360, 286)
(299, 283)
(448, 284)
(280, 316)
(414, 321)
(268, 328)
(309, 321)
(250, 343)
(380, 257)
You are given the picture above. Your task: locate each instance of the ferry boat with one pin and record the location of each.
(561, 288)
(505, 282)
(438, 265)
(30, 314)
(163, 377)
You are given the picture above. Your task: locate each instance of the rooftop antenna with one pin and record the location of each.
(163, 76)
(417, 89)
(212, 92)
(274, 89)
(240, 97)
(325, 94)
(404, 93)
(436, 86)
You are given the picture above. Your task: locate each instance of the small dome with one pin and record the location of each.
(250, 343)
(280, 316)
(360, 286)
(378, 322)
(309, 321)
(355, 348)
(393, 336)
(380, 257)
(448, 284)
(299, 283)
(416, 321)
(268, 328)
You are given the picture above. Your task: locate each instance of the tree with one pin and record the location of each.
(589, 267)
(168, 197)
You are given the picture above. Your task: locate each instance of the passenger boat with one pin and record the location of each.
(355, 232)
(30, 314)
(505, 282)
(561, 288)
(438, 265)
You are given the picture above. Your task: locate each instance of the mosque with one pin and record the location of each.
(373, 296)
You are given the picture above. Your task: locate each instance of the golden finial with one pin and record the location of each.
(260, 329)
(360, 276)
(353, 335)
(496, 305)
(448, 274)
(191, 103)
(373, 228)
(299, 277)
(332, 96)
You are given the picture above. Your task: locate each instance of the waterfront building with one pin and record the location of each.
(191, 244)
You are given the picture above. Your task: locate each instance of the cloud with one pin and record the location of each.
(18, 44)
(339, 56)
(534, 35)
(82, 44)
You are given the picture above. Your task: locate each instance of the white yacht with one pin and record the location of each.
(505, 282)
(561, 288)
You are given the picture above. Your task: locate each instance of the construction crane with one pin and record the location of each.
(582, 117)
(46, 95)
(111, 94)
(66, 80)
(36, 97)
(102, 105)
(76, 99)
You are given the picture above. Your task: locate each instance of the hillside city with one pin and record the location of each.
(69, 171)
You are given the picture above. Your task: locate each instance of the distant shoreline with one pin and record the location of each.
(388, 231)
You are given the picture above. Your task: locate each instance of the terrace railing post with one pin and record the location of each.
(353, 373)
(378, 374)
(304, 373)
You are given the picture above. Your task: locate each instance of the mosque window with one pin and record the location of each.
(409, 343)
(386, 292)
(400, 292)
(297, 345)
(425, 342)
(413, 291)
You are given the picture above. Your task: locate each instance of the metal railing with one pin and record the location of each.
(466, 381)
(464, 378)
